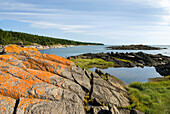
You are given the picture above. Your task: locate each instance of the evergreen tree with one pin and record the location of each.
(10, 37)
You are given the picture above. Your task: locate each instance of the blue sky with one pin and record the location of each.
(106, 21)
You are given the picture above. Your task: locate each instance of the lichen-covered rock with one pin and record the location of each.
(36, 80)
(58, 81)
(7, 105)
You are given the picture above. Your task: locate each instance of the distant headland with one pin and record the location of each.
(10, 37)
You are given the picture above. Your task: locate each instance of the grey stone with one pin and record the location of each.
(38, 106)
(105, 92)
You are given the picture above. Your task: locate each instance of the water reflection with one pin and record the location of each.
(129, 75)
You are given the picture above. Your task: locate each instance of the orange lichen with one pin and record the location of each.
(25, 72)
(35, 60)
(14, 87)
(18, 49)
(18, 72)
(7, 99)
(12, 60)
(49, 77)
(5, 103)
(56, 58)
(46, 65)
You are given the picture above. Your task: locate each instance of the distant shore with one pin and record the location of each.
(41, 47)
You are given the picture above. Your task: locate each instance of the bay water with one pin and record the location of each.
(77, 50)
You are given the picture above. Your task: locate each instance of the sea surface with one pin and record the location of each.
(127, 75)
(72, 51)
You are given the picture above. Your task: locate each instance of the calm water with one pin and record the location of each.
(129, 75)
(72, 51)
(126, 74)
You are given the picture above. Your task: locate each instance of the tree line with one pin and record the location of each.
(10, 37)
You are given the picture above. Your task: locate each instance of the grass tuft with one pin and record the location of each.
(127, 61)
(151, 97)
(91, 63)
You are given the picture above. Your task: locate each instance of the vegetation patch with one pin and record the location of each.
(104, 77)
(91, 63)
(124, 60)
(151, 97)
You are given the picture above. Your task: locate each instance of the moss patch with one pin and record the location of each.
(91, 63)
(104, 77)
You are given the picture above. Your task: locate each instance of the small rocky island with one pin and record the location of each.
(35, 83)
(134, 47)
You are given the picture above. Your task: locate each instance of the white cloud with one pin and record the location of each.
(153, 3)
(6, 5)
(66, 28)
(12, 6)
(161, 4)
(25, 13)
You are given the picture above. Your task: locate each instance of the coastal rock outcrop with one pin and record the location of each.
(164, 69)
(31, 82)
(139, 59)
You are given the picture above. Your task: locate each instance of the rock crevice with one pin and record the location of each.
(16, 106)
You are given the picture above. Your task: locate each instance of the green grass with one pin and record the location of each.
(124, 60)
(151, 97)
(91, 63)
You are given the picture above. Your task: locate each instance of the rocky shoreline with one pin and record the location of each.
(41, 47)
(37, 83)
(139, 59)
(134, 47)
(164, 69)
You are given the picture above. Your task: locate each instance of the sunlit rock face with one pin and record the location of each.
(31, 82)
